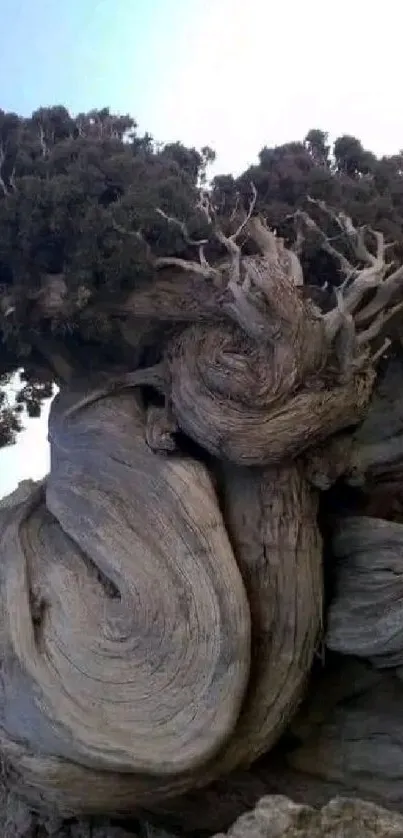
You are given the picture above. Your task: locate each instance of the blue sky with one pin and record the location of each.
(137, 56)
(233, 74)
(85, 53)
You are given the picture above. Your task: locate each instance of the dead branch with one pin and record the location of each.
(253, 289)
(354, 322)
(135, 234)
(355, 236)
(377, 324)
(381, 351)
(262, 236)
(201, 268)
(11, 180)
(384, 293)
(346, 267)
(248, 215)
(350, 325)
(207, 271)
(358, 280)
(183, 228)
(296, 246)
(229, 242)
(2, 159)
(235, 210)
(43, 143)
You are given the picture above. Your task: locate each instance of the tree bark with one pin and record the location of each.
(161, 592)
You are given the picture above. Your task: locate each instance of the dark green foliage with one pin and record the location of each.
(16, 403)
(10, 418)
(76, 192)
(368, 189)
(351, 158)
(316, 142)
(68, 188)
(72, 194)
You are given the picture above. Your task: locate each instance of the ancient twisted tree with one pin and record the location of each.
(162, 598)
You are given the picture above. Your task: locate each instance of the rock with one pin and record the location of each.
(279, 817)
(365, 616)
(378, 442)
(350, 737)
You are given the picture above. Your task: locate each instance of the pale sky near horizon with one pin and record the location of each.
(231, 74)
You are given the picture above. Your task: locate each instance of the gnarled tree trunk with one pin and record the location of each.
(161, 592)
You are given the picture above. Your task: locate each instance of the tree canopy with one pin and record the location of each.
(87, 204)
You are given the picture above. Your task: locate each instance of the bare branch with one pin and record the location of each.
(382, 297)
(208, 210)
(377, 324)
(229, 242)
(236, 208)
(206, 207)
(346, 267)
(135, 234)
(11, 181)
(262, 236)
(296, 246)
(337, 317)
(350, 313)
(2, 159)
(42, 140)
(337, 217)
(355, 236)
(183, 228)
(235, 253)
(248, 215)
(381, 351)
(203, 261)
(203, 268)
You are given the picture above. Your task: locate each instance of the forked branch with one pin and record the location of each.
(183, 228)
(263, 297)
(262, 300)
(229, 242)
(369, 274)
(202, 266)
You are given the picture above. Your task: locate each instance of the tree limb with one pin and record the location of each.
(229, 242)
(346, 267)
(202, 268)
(2, 159)
(183, 228)
(354, 322)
